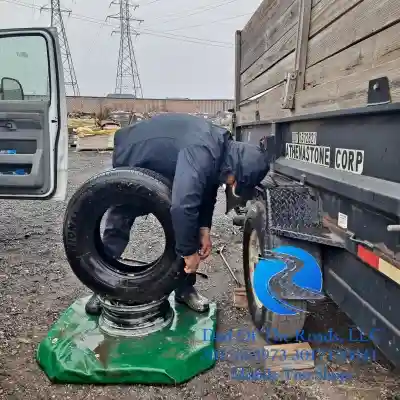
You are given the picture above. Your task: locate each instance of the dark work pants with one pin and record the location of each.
(119, 221)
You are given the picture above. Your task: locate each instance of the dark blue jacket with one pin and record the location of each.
(196, 156)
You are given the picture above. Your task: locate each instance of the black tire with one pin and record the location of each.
(130, 264)
(152, 174)
(84, 249)
(265, 320)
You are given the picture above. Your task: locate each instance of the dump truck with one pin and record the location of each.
(317, 82)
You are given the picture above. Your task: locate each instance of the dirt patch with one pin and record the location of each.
(36, 285)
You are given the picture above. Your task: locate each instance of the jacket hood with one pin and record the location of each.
(248, 163)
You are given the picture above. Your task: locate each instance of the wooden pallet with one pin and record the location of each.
(95, 142)
(240, 297)
(289, 356)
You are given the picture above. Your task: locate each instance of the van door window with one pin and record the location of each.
(25, 74)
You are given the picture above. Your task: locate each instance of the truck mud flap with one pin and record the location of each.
(294, 211)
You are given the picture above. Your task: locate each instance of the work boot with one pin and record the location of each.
(93, 306)
(192, 299)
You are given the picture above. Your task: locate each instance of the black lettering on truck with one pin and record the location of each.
(349, 160)
(319, 155)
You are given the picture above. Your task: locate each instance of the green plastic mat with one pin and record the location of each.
(76, 351)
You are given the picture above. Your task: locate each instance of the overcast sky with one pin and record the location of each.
(168, 67)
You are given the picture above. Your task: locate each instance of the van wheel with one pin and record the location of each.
(84, 249)
(255, 243)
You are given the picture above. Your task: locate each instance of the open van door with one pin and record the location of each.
(33, 115)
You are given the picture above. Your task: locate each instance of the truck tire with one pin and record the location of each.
(255, 243)
(83, 245)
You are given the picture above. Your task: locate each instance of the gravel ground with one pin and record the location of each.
(36, 285)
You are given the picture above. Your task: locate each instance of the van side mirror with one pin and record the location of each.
(11, 89)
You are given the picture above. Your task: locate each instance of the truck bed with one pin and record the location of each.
(332, 48)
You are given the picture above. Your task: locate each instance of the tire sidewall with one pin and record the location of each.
(82, 232)
(256, 220)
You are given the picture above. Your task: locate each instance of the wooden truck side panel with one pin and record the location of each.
(335, 50)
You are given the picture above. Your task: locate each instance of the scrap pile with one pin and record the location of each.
(102, 128)
(91, 134)
(87, 132)
(221, 118)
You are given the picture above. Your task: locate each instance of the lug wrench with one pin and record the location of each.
(220, 252)
(239, 292)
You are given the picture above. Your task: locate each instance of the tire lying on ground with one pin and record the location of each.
(83, 245)
(255, 243)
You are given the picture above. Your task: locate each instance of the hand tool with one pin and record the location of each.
(239, 292)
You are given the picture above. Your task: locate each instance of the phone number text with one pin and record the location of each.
(337, 355)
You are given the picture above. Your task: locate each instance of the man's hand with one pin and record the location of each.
(205, 243)
(192, 263)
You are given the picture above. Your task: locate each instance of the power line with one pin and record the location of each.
(96, 36)
(207, 23)
(145, 31)
(149, 32)
(150, 2)
(196, 41)
(194, 11)
(185, 37)
(127, 80)
(161, 34)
